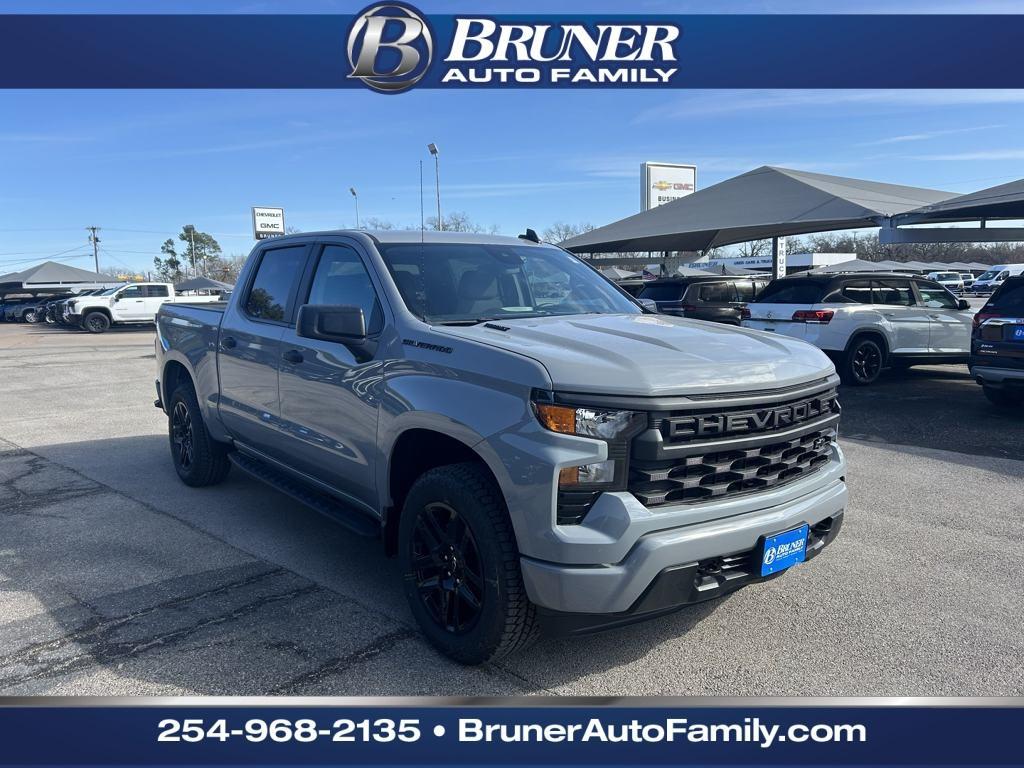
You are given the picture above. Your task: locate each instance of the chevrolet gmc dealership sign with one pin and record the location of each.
(267, 222)
(391, 47)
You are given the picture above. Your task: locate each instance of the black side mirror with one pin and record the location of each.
(331, 323)
(963, 304)
(649, 304)
(342, 324)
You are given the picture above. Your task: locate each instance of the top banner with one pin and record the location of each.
(393, 48)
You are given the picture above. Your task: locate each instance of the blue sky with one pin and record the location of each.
(142, 163)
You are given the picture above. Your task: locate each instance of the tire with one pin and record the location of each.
(30, 316)
(96, 322)
(863, 362)
(198, 459)
(1003, 398)
(460, 566)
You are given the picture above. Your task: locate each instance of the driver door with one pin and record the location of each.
(130, 303)
(329, 392)
(950, 327)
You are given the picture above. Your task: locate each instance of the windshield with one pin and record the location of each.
(109, 290)
(947, 276)
(990, 275)
(463, 283)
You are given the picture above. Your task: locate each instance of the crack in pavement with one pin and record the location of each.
(99, 649)
(335, 666)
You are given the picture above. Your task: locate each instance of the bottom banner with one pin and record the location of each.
(46, 731)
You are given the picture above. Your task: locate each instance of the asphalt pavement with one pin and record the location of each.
(117, 579)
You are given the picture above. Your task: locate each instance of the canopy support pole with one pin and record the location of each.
(778, 257)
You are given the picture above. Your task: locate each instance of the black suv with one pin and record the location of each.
(719, 298)
(997, 345)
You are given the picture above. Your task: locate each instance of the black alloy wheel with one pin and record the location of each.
(447, 566)
(181, 435)
(864, 362)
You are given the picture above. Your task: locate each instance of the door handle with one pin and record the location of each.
(228, 342)
(293, 356)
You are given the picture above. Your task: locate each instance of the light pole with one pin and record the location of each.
(437, 181)
(356, 197)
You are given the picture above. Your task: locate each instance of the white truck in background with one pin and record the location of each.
(134, 303)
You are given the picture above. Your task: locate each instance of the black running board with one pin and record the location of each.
(358, 522)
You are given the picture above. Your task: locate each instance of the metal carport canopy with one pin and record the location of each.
(762, 203)
(1005, 201)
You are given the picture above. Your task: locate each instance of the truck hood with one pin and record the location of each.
(651, 355)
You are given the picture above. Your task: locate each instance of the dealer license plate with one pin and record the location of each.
(783, 550)
(1018, 333)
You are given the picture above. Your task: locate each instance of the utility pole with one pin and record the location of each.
(356, 198)
(192, 249)
(95, 246)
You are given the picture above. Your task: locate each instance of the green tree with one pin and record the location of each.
(200, 247)
(168, 267)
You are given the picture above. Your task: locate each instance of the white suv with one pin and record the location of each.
(866, 322)
(953, 281)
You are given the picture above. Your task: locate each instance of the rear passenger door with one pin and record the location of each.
(908, 322)
(329, 394)
(250, 347)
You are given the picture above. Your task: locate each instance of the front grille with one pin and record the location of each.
(728, 473)
(695, 454)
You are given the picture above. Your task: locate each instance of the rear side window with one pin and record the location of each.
(857, 292)
(342, 280)
(662, 292)
(276, 277)
(791, 291)
(715, 292)
(1009, 296)
(156, 291)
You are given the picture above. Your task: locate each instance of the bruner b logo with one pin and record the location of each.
(390, 47)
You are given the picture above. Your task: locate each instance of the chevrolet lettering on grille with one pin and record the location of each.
(746, 422)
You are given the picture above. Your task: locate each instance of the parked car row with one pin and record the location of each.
(96, 310)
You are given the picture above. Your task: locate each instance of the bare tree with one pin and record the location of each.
(562, 230)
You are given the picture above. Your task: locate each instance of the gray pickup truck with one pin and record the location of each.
(539, 450)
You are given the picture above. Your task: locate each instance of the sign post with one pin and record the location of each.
(267, 222)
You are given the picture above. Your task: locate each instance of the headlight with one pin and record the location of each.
(615, 427)
(586, 422)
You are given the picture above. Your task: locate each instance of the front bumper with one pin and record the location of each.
(670, 568)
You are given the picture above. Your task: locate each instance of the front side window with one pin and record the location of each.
(341, 279)
(936, 297)
(277, 275)
(893, 293)
(132, 292)
(467, 283)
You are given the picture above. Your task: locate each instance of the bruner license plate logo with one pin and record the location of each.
(784, 550)
(390, 47)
